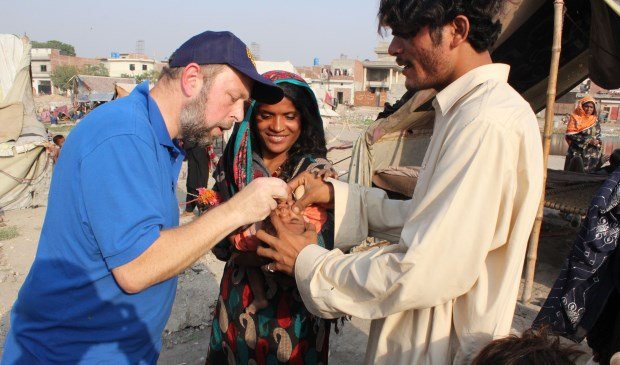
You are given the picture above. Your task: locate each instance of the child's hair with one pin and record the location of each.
(533, 347)
(57, 138)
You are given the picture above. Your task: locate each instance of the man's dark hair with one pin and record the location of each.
(57, 138)
(533, 347)
(311, 139)
(407, 17)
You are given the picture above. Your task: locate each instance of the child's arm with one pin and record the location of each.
(246, 240)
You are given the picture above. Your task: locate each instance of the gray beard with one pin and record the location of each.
(193, 123)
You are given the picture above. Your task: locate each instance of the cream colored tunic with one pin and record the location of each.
(451, 282)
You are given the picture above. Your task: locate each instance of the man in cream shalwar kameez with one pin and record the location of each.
(453, 278)
(450, 284)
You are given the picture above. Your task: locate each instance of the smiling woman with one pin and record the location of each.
(278, 127)
(261, 316)
(583, 135)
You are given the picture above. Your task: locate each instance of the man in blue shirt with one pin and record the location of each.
(103, 281)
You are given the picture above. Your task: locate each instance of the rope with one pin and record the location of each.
(189, 202)
(25, 180)
(344, 159)
(29, 181)
(343, 146)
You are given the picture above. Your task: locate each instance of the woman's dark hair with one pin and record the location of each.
(533, 347)
(407, 17)
(311, 139)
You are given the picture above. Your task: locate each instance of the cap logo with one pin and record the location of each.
(250, 56)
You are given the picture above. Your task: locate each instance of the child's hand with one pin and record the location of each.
(246, 239)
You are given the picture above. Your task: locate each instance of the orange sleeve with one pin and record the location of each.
(316, 216)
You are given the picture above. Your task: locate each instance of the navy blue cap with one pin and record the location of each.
(225, 48)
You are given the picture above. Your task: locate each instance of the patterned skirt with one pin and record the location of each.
(282, 333)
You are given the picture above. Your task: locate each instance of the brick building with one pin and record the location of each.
(45, 60)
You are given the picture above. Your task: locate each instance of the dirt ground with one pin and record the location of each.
(189, 345)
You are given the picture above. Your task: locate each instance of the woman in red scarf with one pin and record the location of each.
(583, 135)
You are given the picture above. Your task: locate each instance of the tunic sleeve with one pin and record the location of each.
(444, 238)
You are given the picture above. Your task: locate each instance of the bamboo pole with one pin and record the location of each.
(532, 250)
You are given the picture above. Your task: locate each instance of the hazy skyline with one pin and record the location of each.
(296, 31)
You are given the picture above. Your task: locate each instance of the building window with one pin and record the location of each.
(43, 68)
(143, 67)
(44, 87)
(345, 72)
(132, 67)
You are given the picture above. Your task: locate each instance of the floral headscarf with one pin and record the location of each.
(240, 164)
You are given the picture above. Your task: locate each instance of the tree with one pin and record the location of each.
(64, 48)
(96, 70)
(151, 75)
(61, 76)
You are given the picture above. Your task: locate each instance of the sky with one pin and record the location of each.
(294, 30)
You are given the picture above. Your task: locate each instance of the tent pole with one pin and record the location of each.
(532, 250)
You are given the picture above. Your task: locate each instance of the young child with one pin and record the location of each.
(59, 140)
(54, 150)
(247, 242)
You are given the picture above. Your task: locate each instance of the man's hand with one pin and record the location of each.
(316, 191)
(258, 199)
(285, 248)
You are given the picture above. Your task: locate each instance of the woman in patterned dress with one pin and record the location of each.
(274, 140)
(583, 134)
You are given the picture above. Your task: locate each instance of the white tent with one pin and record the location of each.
(22, 155)
(264, 66)
(325, 110)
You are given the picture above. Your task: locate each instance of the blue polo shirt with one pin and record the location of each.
(112, 192)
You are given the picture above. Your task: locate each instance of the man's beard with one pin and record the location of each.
(195, 129)
(435, 69)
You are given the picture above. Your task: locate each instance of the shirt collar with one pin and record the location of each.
(157, 120)
(446, 98)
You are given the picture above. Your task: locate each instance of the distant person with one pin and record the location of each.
(101, 287)
(45, 115)
(531, 348)
(53, 118)
(197, 174)
(583, 135)
(59, 140)
(54, 148)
